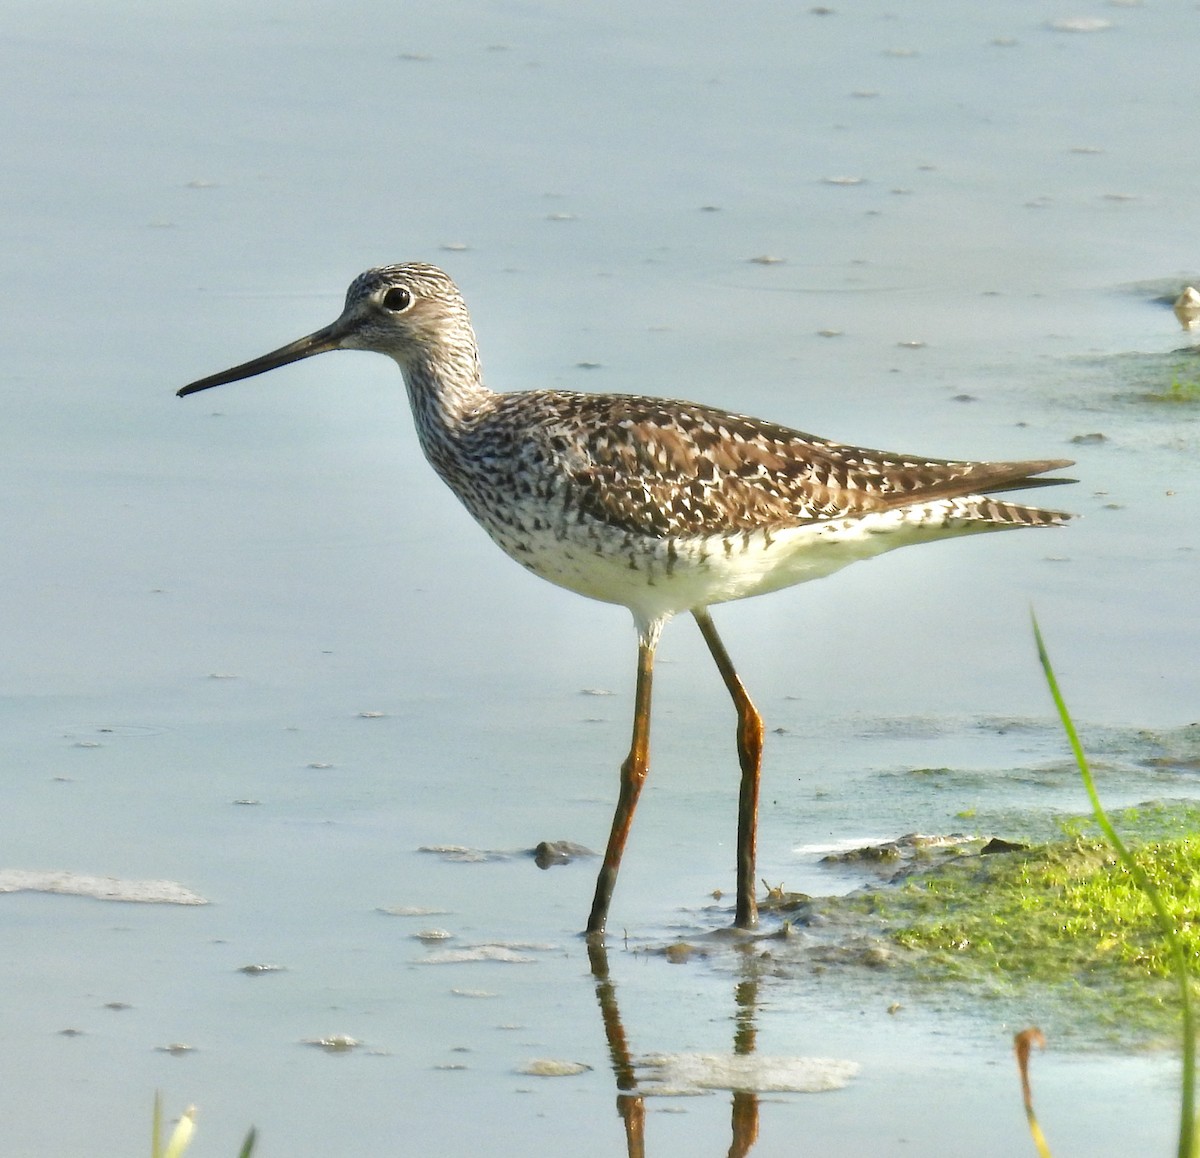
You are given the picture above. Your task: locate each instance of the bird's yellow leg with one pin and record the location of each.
(750, 745)
(633, 776)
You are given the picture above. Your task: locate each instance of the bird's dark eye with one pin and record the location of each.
(397, 300)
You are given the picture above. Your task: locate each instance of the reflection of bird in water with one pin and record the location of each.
(743, 1072)
(657, 505)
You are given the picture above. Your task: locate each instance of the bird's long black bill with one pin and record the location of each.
(329, 338)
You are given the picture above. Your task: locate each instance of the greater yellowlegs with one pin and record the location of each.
(662, 506)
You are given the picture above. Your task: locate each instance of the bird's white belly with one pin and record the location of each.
(658, 577)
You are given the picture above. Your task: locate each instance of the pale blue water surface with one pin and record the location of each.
(263, 594)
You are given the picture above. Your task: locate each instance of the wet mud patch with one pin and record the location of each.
(1134, 400)
(1151, 380)
(1015, 928)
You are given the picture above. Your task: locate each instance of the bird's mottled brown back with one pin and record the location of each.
(667, 468)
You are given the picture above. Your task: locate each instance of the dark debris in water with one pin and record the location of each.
(681, 952)
(546, 854)
(998, 844)
(550, 853)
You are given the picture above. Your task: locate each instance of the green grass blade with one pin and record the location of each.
(1187, 1125)
(156, 1127)
(181, 1136)
(248, 1145)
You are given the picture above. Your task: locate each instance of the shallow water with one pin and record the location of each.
(251, 645)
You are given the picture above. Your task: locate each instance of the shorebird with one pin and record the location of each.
(660, 506)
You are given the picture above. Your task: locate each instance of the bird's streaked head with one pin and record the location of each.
(405, 311)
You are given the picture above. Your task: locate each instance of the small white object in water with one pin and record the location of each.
(478, 953)
(686, 1073)
(102, 888)
(459, 853)
(334, 1043)
(411, 911)
(1080, 24)
(1187, 308)
(545, 1067)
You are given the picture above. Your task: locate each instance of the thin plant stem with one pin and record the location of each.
(1187, 1125)
(1022, 1044)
